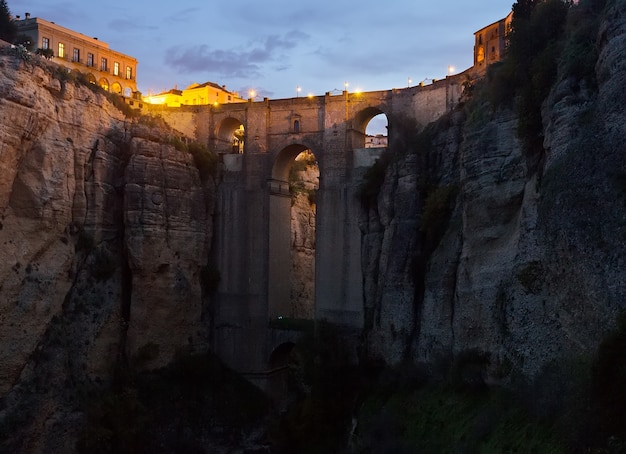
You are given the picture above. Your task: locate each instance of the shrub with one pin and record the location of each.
(608, 379)
(436, 214)
(205, 160)
(45, 53)
(467, 370)
(374, 178)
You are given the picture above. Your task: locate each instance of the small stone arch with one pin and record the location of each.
(284, 159)
(91, 78)
(228, 140)
(281, 365)
(280, 356)
(360, 122)
(104, 83)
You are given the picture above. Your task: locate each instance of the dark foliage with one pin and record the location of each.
(206, 161)
(609, 383)
(374, 178)
(8, 29)
(172, 409)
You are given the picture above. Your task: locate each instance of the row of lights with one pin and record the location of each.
(252, 94)
(450, 71)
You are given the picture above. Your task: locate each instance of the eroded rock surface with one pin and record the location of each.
(104, 229)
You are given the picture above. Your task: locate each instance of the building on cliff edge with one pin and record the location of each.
(113, 71)
(208, 93)
(490, 43)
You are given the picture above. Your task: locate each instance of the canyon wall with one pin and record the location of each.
(528, 266)
(105, 229)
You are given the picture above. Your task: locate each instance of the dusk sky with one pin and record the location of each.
(273, 47)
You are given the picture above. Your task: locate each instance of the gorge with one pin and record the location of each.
(486, 251)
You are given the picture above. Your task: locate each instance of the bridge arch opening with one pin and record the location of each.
(284, 369)
(230, 136)
(371, 126)
(292, 216)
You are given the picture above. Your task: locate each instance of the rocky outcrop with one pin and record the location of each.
(530, 265)
(105, 230)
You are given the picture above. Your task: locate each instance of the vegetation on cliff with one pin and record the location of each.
(180, 408)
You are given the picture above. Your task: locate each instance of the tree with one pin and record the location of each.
(8, 29)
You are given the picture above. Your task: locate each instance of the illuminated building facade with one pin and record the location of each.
(195, 95)
(377, 141)
(113, 71)
(490, 43)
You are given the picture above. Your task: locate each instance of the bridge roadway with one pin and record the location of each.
(251, 247)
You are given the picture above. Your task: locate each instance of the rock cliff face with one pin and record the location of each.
(104, 230)
(303, 211)
(530, 263)
(469, 246)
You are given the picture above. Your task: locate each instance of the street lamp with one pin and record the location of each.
(409, 82)
(298, 89)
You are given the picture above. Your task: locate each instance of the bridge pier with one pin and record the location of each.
(251, 247)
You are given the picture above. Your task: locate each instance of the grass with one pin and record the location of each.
(441, 419)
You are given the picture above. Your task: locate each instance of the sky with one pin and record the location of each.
(275, 46)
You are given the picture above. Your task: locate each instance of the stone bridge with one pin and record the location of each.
(252, 217)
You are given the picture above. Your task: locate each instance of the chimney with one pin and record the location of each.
(27, 15)
(17, 17)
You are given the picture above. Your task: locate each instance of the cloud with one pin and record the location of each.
(184, 14)
(230, 63)
(242, 63)
(125, 25)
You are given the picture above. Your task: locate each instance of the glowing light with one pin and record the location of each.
(251, 94)
(345, 86)
(409, 82)
(298, 90)
(450, 69)
(310, 95)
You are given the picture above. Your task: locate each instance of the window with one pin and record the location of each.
(296, 126)
(129, 72)
(103, 64)
(89, 59)
(61, 50)
(76, 56)
(116, 69)
(45, 43)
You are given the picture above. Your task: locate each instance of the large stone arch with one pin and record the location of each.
(225, 135)
(280, 263)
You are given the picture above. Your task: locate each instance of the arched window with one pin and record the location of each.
(296, 126)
